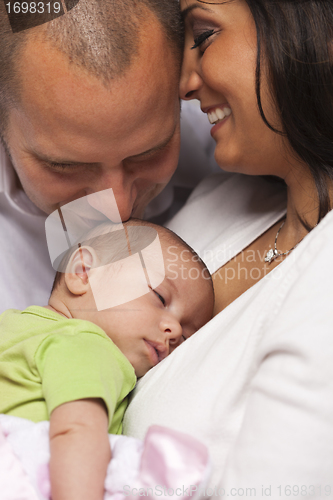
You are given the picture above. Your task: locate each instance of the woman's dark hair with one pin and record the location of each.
(295, 43)
(296, 39)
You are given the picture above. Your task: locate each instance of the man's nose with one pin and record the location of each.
(190, 80)
(125, 203)
(120, 205)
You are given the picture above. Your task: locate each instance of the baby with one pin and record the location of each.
(75, 365)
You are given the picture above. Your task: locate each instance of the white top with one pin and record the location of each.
(26, 275)
(256, 383)
(25, 268)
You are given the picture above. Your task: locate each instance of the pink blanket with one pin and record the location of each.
(167, 464)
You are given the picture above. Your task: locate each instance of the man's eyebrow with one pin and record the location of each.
(185, 12)
(159, 147)
(60, 161)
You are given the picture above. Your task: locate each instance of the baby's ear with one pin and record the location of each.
(76, 276)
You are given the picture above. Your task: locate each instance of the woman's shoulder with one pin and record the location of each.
(245, 193)
(229, 211)
(231, 185)
(209, 184)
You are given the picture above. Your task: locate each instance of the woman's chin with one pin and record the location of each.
(231, 163)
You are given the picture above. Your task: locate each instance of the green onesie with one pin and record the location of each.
(47, 360)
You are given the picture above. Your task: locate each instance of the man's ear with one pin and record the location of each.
(76, 276)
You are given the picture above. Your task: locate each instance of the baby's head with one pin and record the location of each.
(149, 327)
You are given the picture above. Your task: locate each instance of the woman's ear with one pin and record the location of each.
(76, 276)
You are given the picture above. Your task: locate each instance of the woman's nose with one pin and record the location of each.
(190, 80)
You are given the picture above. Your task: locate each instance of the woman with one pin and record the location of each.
(256, 383)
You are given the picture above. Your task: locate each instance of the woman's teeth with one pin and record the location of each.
(218, 115)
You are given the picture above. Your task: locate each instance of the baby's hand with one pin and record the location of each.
(80, 450)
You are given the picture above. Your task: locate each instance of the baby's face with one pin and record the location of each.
(150, 327)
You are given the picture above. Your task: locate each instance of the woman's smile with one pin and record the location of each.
(218, 118)
(219, 69)
(217, 114)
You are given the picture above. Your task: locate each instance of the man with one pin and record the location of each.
(88, 101)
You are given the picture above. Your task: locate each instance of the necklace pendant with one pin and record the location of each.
(271, 254)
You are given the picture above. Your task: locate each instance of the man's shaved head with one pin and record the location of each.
(99, 36)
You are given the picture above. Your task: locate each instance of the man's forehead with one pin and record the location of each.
(44, 68)
(58, 98)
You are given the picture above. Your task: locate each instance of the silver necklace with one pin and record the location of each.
(274, 254)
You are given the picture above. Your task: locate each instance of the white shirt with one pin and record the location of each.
(25, 267)
(26, 275)
(256, 383)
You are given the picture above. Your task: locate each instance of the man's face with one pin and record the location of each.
(70, 135)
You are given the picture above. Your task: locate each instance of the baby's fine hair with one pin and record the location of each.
(114, 242)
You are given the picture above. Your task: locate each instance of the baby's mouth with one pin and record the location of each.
(161, 350)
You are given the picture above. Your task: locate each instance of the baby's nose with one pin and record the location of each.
(173, 331)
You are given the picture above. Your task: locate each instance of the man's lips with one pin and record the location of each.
(156, 351)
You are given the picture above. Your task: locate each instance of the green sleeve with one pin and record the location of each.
(83, 365)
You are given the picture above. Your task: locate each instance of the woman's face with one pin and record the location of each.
(220, 72)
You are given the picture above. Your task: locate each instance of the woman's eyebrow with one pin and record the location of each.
(189, 9)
